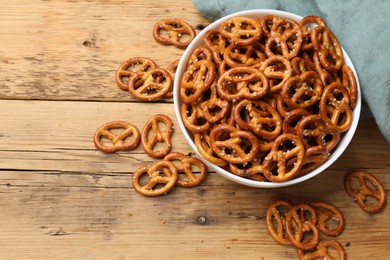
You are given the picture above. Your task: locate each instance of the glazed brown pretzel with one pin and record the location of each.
(322, 251)
(233, 145)
(328, 48)
(150, 85)
(202, 142)
(243, 56)
(334, 107)
(217, 43)
(327, 212)
(262, 119)
(285, 34)
(297, 225)
(313, 131)
(241, 30)
(374, 190)
(242, 82)
(194, 118)
(162, 172)
(131, 67)
(275, 164)
(172, 71)
(275, 214)
(306, 24)
(278, 69)
(214, 108)
(185, 167)
(252, 169)
(176, 29)
(117, 140)
(302, 91)
(196, 80)
(157, 136)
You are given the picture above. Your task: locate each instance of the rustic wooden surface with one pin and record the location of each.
(60, 198)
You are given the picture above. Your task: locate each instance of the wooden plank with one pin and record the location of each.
(84, 216)
(56, 50)
(58, 136)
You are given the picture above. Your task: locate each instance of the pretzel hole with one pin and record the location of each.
(184, 37)
(105, 141)
(286, 145)
(215, 110)
(164, 34)
(354, 185)
(371, 201)
(143, 179)
(332, 224)
(275, 47)
(195, 169)
(333, 252)
(342, 119)
(158, 146)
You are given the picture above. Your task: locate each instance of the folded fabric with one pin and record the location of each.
(360, 26)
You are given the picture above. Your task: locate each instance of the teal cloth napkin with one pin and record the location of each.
(362, 27)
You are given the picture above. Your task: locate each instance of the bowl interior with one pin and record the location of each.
(346, 137)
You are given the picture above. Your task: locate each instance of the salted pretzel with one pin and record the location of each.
(314, 157)
(172, 32)
(350, 83)
(284, 148)
(313, 130)
(242, 31)
(278, 69)
(369, 187)
(152, 134)
(326, 213)
(297, 224)
(214, 108)
(119, 141)
(201, 53)
(334, 107)
(194, 118)
(162, 172)
(292, 119)
(196, 80)
(131, 67)
(249, 169)
(242, 82)
(186, 166)
(300, 65)
(243, 56)
(217, 43)
(282, 108)
(202, 142)
(267, 22)
(307, 23)
(322, 251)
(285, 39)
(276, 221)
(302, 91)
(327, 77)
(328, 47)
(233, 145)
(150, 85)
(172, 67)
(262, 119)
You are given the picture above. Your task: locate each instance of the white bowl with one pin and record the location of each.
(346, 137)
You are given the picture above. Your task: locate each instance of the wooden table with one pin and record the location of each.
(60, 198)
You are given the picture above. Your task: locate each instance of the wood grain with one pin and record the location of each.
(60, 198)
